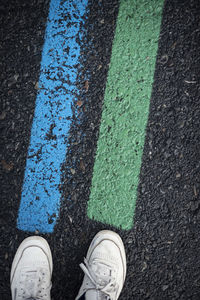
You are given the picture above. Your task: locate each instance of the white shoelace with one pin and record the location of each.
(101, 279)
(34, 285)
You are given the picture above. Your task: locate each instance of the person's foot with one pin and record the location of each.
(105, 268)
(31, 270)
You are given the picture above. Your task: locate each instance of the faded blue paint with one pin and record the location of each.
(40, 199)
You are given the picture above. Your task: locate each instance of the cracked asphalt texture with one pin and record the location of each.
(163, 247)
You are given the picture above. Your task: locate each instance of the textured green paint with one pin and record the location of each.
(125, 113)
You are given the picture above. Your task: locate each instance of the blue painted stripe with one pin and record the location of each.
(40, 199)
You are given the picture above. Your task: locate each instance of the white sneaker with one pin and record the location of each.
(105, 268)
(31, 270)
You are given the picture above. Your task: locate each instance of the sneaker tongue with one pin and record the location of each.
(30, 280)
(92, 295)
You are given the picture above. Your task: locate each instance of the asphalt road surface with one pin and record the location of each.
(163, 245)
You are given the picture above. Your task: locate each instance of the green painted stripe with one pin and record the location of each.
(125, 113)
